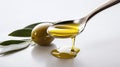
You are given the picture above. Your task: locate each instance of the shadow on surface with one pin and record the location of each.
(42, 53)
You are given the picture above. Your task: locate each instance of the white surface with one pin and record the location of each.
(99, 43)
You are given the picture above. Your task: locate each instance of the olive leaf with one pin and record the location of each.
(21, 33)
(31, 26)
(25, 32)
(8, 42)
(11, 46)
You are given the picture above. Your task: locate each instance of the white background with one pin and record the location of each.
(99, 43)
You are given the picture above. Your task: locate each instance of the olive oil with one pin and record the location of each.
(65, 31)
(65, 55)
(73, 44)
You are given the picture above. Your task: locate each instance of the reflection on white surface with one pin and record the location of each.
(42, 53)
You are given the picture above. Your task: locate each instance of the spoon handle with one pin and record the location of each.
(102, 7)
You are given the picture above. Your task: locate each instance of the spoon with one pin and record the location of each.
(71, 28)
(83, 21)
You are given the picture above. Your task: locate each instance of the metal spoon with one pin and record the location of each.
(83, 21)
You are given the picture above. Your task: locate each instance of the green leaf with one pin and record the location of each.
(13, 46)
(21, 33)
(31, 26)
(8, 42)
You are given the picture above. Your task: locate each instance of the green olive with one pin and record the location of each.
(40, 36)
(64, 55)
